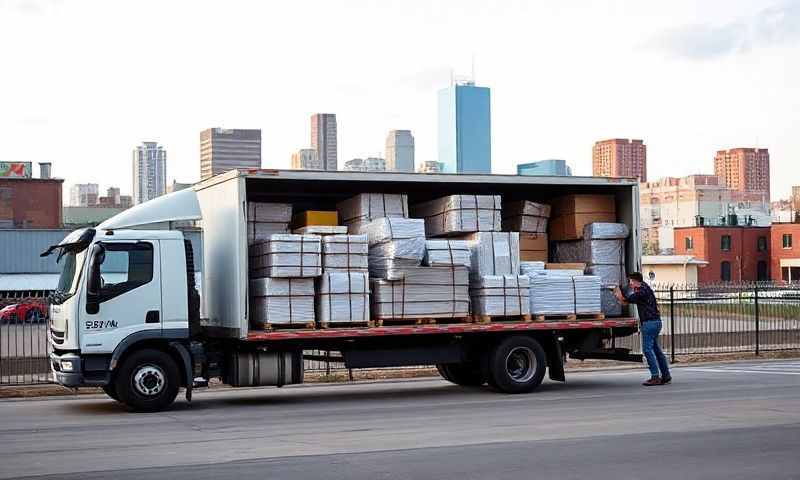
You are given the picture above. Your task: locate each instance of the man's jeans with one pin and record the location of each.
(652, 351)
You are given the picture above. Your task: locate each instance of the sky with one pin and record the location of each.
(83, 82)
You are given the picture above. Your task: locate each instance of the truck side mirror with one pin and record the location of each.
(94, 281)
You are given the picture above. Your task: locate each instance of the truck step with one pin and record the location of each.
(290, 326)
(569, 317)
(501, 318)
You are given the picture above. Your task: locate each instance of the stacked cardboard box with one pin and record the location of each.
(422, 292)
(525, 217)
(281, 301)
(501, 295)
(358, 211)
(533, 247)
(286, 256)
(446, 253)
(343, 297)
(564, 295)
(570, 213)
(493, 253)
(264, 219)
(394, 242)
(345, 253)
(455, 214)
(317, 222)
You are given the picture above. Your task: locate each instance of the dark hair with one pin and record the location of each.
(636, 276)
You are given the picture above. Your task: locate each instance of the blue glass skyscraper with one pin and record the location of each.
(555, 167)
(465, 129)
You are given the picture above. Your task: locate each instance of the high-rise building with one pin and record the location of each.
(324, 139)
(796, 198)
(430, 166)
(553, 167)
(400, 151)
(306, 159)
(465, 129)
(176, 186)
(223, 149)
(620, 157)
(744, 169)
(149, 172)
(83, 194)
(369, 164)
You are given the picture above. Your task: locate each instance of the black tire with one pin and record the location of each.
(443, 372)
(464, 374)
(111, 391)
(148, 381)
(515, 365)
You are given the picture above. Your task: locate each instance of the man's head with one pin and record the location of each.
(635, 279)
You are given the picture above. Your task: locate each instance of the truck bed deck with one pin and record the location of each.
(454, 328)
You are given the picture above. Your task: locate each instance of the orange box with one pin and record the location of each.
(311, 218)
(569, 204)
(570, 226)
(533, 247)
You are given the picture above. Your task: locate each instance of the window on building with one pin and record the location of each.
(725, 244)
(762, 244)
(787, 240)
(689, 243)
(725, 271)
(762, 275)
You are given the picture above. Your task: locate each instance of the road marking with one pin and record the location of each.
(741, 370)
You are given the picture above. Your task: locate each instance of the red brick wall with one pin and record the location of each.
(776, 246)
(743, 255)
(31, 203)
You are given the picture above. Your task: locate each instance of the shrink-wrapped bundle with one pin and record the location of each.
(446, 253)
(608, 302)
(564, 295)
(321, 230)
(393, 243)
(265, 219)
(343, 253)
(493, 253)
(605, 231)
(525, 217)
(591, 252)
(286, 255)
(343, 297)
(609, 274)
(460, 214)
(281, 301)
(501, 295)
(532, 268)
(422, 292)
(356, 212)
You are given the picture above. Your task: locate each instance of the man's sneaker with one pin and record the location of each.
(652, 382)
(666, 380)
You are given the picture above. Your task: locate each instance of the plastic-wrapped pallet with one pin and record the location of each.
(264, 219)
(394, 243)
(460, 214)
(281, 301)
(532, 268)
(501, 295)
(356, 212)
(321, 230)
(609, 303)
(605, 231)
(493, 253)
(446, 253)
(592, 252)
(563, 295)
(286, 255)
(422, 292)
(609, 274)
(525, 217)
(343, 297)
(344, 253)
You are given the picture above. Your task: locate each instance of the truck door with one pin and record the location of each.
(129, 296)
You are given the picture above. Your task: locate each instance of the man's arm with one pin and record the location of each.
(620, 296)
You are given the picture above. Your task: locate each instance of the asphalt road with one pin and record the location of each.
(728, 421)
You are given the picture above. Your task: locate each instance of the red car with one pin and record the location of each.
(32, 312)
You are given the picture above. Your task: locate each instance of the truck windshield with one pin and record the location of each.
(71, 267)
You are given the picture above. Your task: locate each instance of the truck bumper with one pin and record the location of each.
(68, 371)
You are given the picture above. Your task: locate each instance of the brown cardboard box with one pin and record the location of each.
(533, 247)
(565, 266)
(570, 226)
(569, 204)
(314, 218)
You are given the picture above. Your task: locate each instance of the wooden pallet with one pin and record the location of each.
(502, 318)
(363, 324)
(421, 321)
(569, 317)
(290, 326)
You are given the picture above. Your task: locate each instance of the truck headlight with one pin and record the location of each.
(67, 366)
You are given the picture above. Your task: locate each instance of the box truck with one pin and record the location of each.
(145, 330)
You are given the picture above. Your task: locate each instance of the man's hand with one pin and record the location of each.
(620, 296)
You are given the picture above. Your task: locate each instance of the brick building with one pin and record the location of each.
(785, 247)
(733, 253)
(620, 157)
(30, 202)
(744, 169)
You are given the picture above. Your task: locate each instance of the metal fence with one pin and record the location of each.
(726, 318)
(707, 319)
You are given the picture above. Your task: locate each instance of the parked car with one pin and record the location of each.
(32, 312)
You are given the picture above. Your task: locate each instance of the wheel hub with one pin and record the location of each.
(521, 364)
(149, 380)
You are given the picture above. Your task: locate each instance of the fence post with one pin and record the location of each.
(757, 318)
(672, 321)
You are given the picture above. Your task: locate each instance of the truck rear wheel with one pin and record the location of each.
(515, 365)
(464, 374)
(148, 381)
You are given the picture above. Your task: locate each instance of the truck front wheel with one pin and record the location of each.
(515, 365)
(111, 391)
(148, 381)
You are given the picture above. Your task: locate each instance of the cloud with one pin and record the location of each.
(774, 26)
(31, 7)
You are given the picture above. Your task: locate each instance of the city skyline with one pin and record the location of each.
(678, 85)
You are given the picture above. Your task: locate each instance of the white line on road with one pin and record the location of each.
(738, 370)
